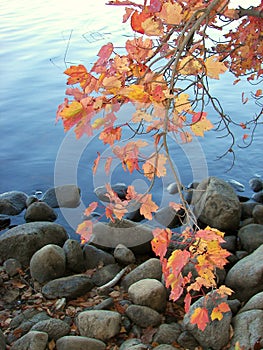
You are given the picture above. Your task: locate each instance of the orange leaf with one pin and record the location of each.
(152, 26)
(214, 67)
(108, 165)
(110, 135)
(171, 13)
(78, 74)
(85, 230)
(90, 209)
(258, 93)
(190, 66)
(217, 312)
(200, 318)
(136, 21)
(148, 206)
(177, 261)
(201, 124)
(96, 163)
(155, 166)
(139, 49)
(161, 241)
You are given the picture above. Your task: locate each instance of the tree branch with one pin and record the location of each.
(252, 12)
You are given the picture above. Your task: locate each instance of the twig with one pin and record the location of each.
(105, 288)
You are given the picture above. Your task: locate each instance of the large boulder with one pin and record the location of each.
(12, 203)
(22, 241)
(246, 276)
(133, 235)
(216, 204)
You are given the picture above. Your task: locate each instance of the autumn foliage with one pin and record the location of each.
(164, 72)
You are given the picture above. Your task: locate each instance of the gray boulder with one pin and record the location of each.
(67, 196)
(133, 344)
(12, 267)
(257, 214)
(246, 277)
(48, 263)
(216, 335)
(22, 241)
(12, 203)
(94, 257)
(251, 237)
(70, 342)
(151, 268)
(124, 255)
(143, 316)
(99, 324)
(149, 292)
(55, 328)
(133, 235)
(167, 333)
(39, 211)
(248, 329)
(69, 287)
(2, 340)
(105, 274)
(216, 204)
(33, 340)
(74, 256)
(254, 303)
(256, 184)
(258, 197)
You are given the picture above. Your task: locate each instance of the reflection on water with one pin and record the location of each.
(38, 40)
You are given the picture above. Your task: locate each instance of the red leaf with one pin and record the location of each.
(161, 241)
(200, 318)
(137, 19)
(155, 6)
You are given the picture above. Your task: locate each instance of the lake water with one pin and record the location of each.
(39, 39)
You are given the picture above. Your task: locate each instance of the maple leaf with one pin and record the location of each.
(152, 26)
(190, 66)
(171, 13)
(85, 230)
(140, 115)
(187, 302)
(154, 166)
(135, 93)
(90, 209)
(155, 5)
(201, 124)
(217, 312)
(182, 103)
(71, 114)
(110, 135)
(214, 67)
(148, 206)
(177, 261)
(176, 283)
(200, 318)
(77, 74)
(139, 49)
(111, 84)
(104, 54)
(127, 15)
(96, 163)
(136, 21)
(161, 241)
(223, 290)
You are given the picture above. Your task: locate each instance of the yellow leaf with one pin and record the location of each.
(199, 127)
(182, 103)
(135, 93)
(171, 13)
(214, 67)
(98, 123)
(73, 109)
(152, 26)
(154, 166)
(216, 315)
(190, 66)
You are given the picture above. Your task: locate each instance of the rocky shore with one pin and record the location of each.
(56, 293)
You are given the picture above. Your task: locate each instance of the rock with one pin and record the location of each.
(55, 328)
(254, 303)
(236, 185)
(40, 211)
(256, 184)
(2, 341)
(24, 325)
(216, 335)
(12, 267)
(12, 203)
(133, 344)
(65, 196)
(234, 305)
(94, 257)
(173, 188)
(170, 218)
(143, 316)
(149, 292)
(186, 340)
(216, 204)
(133, 235)
(247, 209)
(105, 274)
(167, 333)
(106, 304)
(258, 197)
(33, 340)
(4, 221)
(124, 255)
(74, 256)
(30, 200)
(245, 277)
(69, 287)
(230, 243)
(151, 268)
(48, 263)
(248, 329)
(77, 342)
(164, 347)
(22, 241)
(119, 188)
(99, 324)
(257, 214)
(251, 237)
